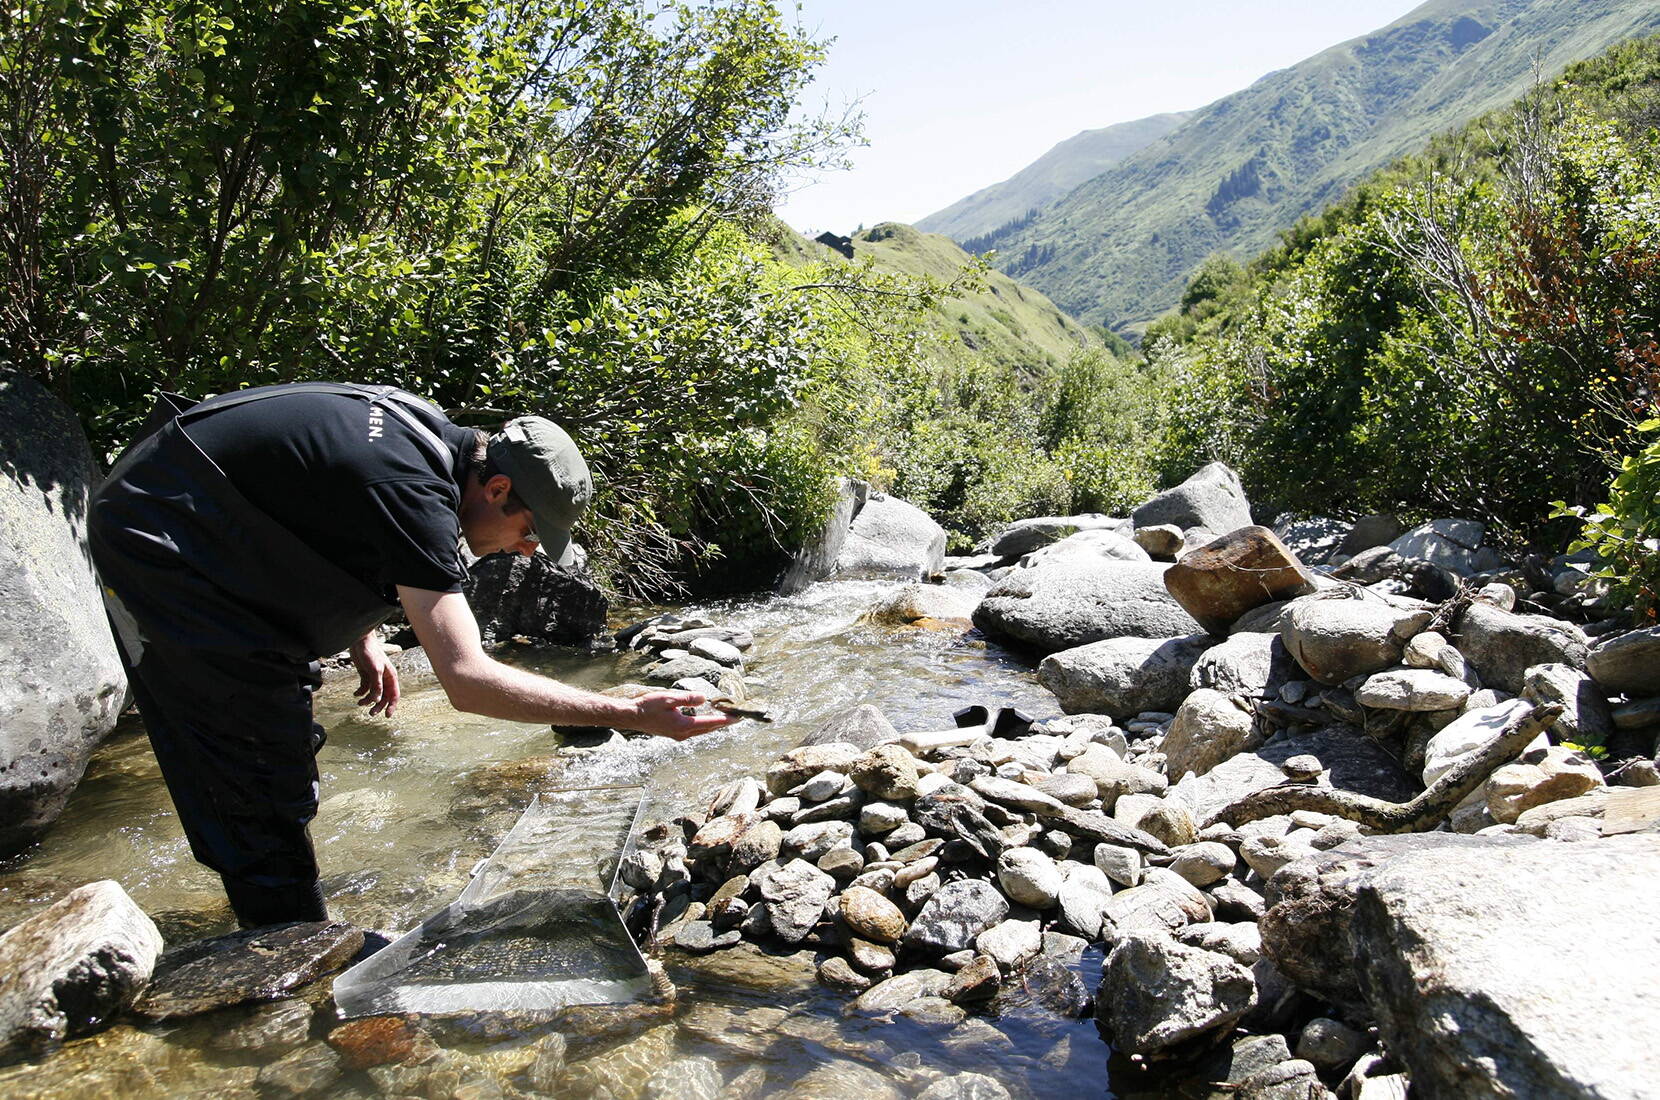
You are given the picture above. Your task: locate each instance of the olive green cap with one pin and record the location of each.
(549, 475)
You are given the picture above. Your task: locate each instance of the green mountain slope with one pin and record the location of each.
(1118, 248)
(1007, 323)
(1078, 158)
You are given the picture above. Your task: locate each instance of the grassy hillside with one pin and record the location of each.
(1006, 323)
(1078, 158)
(1118, 249)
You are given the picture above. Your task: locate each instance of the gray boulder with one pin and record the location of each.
(1086, 546)
(1123, 676)
(61, 683)
(1061, 606)
(1024, 536)
(1450, 543)
(1503, 645)
(891, 538)
(530, 596)
(956, 914)
(864, 726)
(69, 969)
(1212, 499)
(1209, 728)
(1367, 532)
(1248, 663)
(1510, 970)
(1306, 929)
(795, 895)
(1586, 717)
(1314, 539)
(1334, 638)
(1628, 662)
(817, 559)
(1156, 993)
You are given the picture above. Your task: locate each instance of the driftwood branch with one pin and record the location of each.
(1422, 813)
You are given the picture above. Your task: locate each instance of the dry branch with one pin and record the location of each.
(1422, 813)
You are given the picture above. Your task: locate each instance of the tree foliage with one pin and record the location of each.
(1473, 332)
(537, 206)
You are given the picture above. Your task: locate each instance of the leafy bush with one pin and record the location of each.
(1624, 531)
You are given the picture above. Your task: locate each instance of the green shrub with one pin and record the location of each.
(1624, 531)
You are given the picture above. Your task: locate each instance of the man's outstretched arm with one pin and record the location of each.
(478, 684)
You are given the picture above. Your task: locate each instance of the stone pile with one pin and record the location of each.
(931, 872)
(692, 654)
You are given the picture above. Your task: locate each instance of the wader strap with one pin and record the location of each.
(393, 400)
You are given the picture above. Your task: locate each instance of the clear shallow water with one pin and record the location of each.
(412, 804)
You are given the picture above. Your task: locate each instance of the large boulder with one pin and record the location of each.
(1503, 645)
(1212, 500)
(530, 596)
(891, 538)
(1628, 662)
(1450, 543)
(1064, 605)
(1123, 676)
(1087, 546)
(1024, 536)
(1586, 717)
(1306, 928)
(61, 683)
(1334, 638)
(817, 559)
(1232, 574)
(1314, 539)
(1248, 663)
(1504, 968)
(69, 969)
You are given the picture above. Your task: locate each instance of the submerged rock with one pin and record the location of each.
(262, 964)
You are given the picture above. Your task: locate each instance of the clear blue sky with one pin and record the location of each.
(959, 94)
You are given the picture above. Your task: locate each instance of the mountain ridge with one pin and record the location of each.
(1117, 249)
(1068, 163)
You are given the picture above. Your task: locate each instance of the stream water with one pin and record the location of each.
(412, 804)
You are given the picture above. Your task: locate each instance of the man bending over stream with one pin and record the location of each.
(259, 530)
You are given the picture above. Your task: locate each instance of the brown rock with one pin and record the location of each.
(978, 981)
(837, 973)
(886, 772)
(1242, 570)
(873, 958)
(379, 1041)
(871, 915)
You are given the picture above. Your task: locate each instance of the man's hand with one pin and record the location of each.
(377, 680)
(661, 714)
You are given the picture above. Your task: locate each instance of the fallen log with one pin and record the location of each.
(1422, 813)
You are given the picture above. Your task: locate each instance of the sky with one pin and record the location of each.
(960, 94)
